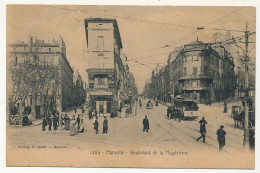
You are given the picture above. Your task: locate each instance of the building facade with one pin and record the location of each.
(108, 75)
(197, 71)
(41, 77)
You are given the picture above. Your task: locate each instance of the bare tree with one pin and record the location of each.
(33, 77)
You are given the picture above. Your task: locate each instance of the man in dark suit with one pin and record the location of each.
(78, 121)
(96, 124)
(221, 137)
(44, 123)
(145, 124)
(203, 123)
(49, 121)
(105, 125)
(55, 122)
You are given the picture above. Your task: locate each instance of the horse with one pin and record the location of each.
(239, 118)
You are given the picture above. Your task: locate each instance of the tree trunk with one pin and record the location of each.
(33, 104)
(21, 103)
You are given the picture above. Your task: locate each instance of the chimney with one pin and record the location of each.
(30, 39)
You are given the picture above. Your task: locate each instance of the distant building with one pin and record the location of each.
(79, 93)
(107, 71)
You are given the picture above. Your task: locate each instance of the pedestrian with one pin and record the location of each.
(126, 112)
(96, 125)
(12, 120)
(221, 137)
(175, 113)
(252, 139)
(145, 124)
(67, 122)
(179, 113)
(168, 112)
(62, 122)
(203, 123)
(49, 121)
(105, 125)
(73, 129)
(82, 127)
(73, 117)
(89, 114)
(44, 123)
(55, 122)
(78, 121)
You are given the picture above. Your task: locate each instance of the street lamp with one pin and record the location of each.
(225, 106)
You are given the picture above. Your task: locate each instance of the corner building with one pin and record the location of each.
(103, 53)
(202, 73)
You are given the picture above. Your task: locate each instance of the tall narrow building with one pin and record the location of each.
(103, 61)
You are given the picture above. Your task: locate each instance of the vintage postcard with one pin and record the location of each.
(131, 86)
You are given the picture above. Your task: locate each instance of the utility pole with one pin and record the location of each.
(246, 130)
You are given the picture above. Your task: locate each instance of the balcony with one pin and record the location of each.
(190, 77)
(194, 88)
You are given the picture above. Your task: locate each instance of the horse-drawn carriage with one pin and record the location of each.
(239, 116)
(149, 105)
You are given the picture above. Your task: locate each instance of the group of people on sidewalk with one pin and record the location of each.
(174, 113)
(75, 125)
(50, 121)
(105, 125)
(66, 123)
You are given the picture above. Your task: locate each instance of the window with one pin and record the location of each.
(101, 81)
(100, 42)
(95, 81)
(194, 70)
(195, 58)
(184, 71)
(195, 83)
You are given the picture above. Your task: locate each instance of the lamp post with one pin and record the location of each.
(225, 105)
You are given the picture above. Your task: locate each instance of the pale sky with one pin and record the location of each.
(156, 27)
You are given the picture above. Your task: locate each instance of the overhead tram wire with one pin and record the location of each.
(116, 16)
(221, 42)
(199, 28)
(150, 21)
(204, 28)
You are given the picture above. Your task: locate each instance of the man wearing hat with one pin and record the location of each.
(221, 137)
(203, 123)
(49, 121)
(96, 125)
(145, 124)
(105, 125)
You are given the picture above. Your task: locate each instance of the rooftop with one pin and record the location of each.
(104, 20)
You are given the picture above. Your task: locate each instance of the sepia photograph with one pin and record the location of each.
(130, 86)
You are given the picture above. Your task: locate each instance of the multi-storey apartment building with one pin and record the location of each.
(107, 73)
(48, 74)
(197, 71)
